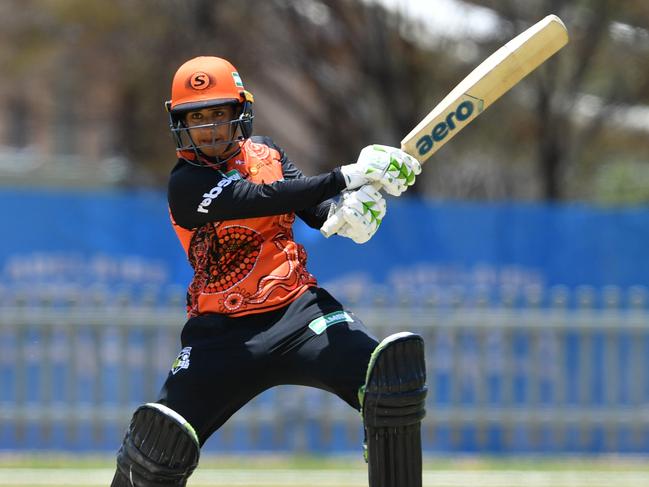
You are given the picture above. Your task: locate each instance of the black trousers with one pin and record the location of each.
(225, 362)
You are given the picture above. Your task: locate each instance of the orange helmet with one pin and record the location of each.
(204, 82)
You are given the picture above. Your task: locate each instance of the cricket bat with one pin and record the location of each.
(494, 77)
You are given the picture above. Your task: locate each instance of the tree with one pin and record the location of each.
(577, 93)
(331, 76)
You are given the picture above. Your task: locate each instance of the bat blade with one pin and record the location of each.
(484, 85)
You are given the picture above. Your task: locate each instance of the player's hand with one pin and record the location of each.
(357, 215)
(389, 167)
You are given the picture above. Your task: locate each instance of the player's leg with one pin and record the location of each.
(160, 449)
(208, 382)
(393, 405)
(386, 381)
(161, 445)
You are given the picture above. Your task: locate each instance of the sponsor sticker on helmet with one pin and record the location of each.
(237, 79)
(199, 80)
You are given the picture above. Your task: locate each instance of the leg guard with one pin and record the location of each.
(160, 449)
(393, 405)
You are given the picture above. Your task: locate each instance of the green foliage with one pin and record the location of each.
(622, 183)
(331, 76)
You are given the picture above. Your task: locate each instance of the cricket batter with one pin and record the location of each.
(256, 316)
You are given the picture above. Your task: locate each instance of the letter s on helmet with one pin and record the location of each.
(204, 82)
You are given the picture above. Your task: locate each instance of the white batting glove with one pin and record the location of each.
(357, 215)
(389, 167)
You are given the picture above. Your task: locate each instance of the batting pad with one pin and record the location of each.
(393, 405)
(160, 449)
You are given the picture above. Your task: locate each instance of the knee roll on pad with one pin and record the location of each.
(393, 405)
(160, 449)
(395, 391)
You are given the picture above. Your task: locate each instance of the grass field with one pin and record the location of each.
(271, 471)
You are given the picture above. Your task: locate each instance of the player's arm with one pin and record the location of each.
(385, 167)
(314, 216)
(201, 195)
(359, 212)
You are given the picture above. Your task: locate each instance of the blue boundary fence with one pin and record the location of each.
(535, 319)
(502, 379)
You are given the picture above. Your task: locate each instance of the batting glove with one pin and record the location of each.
(388, 167)
(357, 215)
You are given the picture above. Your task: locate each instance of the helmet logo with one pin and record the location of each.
(199, 81)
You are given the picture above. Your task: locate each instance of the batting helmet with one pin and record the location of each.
(204, 82)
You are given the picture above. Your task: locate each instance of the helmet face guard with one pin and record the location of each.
(240, 128)
(207, 82)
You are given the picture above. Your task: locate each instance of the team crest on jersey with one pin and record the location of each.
(182, 360)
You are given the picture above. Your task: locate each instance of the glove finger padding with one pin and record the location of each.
(357, 235)
(362, 211)
(391, 168)
(368, 201)
(401, 171)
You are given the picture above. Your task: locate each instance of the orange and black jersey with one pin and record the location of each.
(235, 224)
(242, 198)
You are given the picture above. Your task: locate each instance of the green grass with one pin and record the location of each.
(55, 470)
(343, 462)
